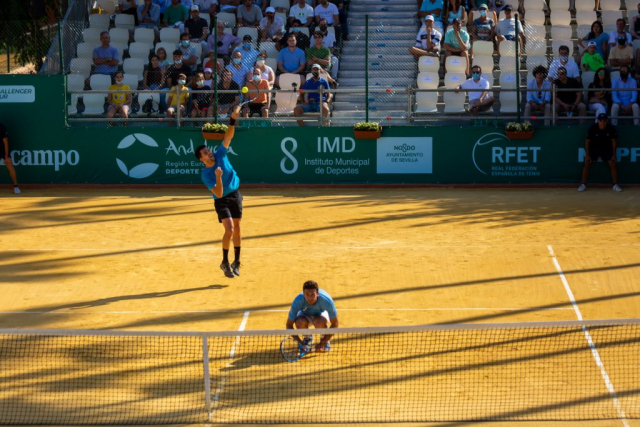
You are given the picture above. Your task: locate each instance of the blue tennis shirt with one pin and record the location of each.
(230, 179)
(323, 303)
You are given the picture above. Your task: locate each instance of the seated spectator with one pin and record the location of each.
(238, 71)
(260, 105)
(105, 57)
(129, 7)
(208, 77)
(455, 10)
(197, 27)
(178, 67)
(213, 62)
(328, 11)
(620, 55)
(249, 54)
(311, 99)
(619, 32)
(148, 15)
(178, 102)
(569, 102)
(189, 54)
(119, 102)
(229, 5)
(291, 60)
(634, 25)
(427, 40)
(539, 95)
(227, 101)
(624, 101)
(302, 40)
(249, 15)
(434, 8)
(565, 61)
(456, 42)
(591, 60)
(318, 53)
(175, 15)
(200, 102)
(506, 29)
(226, 43)
(163, 61)
(598, 36)
(483, 28)
(271, 26)
(329, 40)
(302, 12)
(600, 100)
(476, 5)
(266, 72)
(478, 92)
(153, 77)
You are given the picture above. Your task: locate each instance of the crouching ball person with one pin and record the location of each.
(313, 307)
(221, 179)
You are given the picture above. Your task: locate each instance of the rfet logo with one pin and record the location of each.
(143, 170)
(496, 155)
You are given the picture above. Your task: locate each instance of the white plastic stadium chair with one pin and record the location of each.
(92, 36)
(455, 64)
(100, 82)
(229, 19)
(131, 80)
(144, 35)
(482, 48)
(125, 21)
(81, 66)
(286, 101)
(429, 63)
(454, 102)
(140, 50)
(170, 35)
(252, 31)
(134, 66)
(85, 50)
(99, 21)
(426, 102)
(75, 82)
(94, 103)
(484, 62)
(508, 102)
(119, 36)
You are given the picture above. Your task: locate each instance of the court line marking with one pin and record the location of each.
(232, 355)
(592, 346)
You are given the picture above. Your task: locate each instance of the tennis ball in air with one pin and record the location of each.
(245, 89)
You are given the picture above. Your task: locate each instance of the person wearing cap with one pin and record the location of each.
(506, 28)
(148, 15)
(189, 54)
(249, 54)
(311, 96)
(483, 28)
(620, 55)
(271, 26)
(619, 32)
(601, 143)
(478, 92)
(197, 27)
(427, 40)
(591, 60)
(456, 42)
(566, 61)
(625, 102)
(539, 95)
(302, 11)
(249, 15)
(569, 101)
(175, 15)
(434, 8)
(226, 42)
(291, 60)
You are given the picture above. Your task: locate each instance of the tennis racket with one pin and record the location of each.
(244, 100)
(292, 350)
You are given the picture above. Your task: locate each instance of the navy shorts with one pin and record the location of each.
(605, 153)
(229, 206)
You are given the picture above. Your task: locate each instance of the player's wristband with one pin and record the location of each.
(232, 121)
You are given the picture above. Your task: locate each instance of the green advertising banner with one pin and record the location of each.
(43, 150)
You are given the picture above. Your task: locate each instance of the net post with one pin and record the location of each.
(207, 376)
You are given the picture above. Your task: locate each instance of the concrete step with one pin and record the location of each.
(362, 9)
(383, 21)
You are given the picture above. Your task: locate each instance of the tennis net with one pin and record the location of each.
(526, 371)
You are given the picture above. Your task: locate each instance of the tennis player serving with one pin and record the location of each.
(221, 179)
(314, 307)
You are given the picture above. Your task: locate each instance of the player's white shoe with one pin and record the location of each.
(582, 187)
(16, 190)
(617, 188)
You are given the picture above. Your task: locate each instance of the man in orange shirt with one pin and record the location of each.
(262, 99)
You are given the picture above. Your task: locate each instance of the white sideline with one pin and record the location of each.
(594, 350)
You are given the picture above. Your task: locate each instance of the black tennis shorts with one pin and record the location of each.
(229, 206)
(2, 152)
(605, 153)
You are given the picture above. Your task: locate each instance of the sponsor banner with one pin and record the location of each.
(495, 155)
(405, 155)
(17, 94)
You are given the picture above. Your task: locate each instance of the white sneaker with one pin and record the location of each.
(16, 190)
(582, 187)
(617, 188)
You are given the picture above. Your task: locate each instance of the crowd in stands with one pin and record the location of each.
(485, 33)
(171, 46)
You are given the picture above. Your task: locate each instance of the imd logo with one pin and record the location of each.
(143, 170)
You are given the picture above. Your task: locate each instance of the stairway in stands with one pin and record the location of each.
(392, 29)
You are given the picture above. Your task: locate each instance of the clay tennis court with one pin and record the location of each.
(149, 259)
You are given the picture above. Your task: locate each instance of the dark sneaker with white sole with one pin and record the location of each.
(227, 270)
(235, 267)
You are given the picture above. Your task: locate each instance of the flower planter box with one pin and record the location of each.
(367, 134)
(519, 135)
(213, 135)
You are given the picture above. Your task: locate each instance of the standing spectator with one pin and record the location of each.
(311, 98)
(634, 25)
(427, 40)
(178, 101)
(478, 92)
(129, 7)
(249, 15)
(238, 71)
(229, 5)
(601, 143)
(189, 54)
(292, 60)
(266, 72)
(302, 40)
(148, 15)
(539, 95)
(600, 100)
(569, 101)
(105, 57)
(227, 101)
(483, 28)
(624, 101)
(619, 32)
(175, 15)
(258, 88)
(565, 61)
(591, 60)
(226, 42)
(119, 102)
(434, 8)
(598, 36)
(249, 54)
(197, 27)
(621, 55)
(153, 77)
(456, 42)
(506, 29)
(4, 154)
(455, 10)
(271, 26)
(303, 12)
(200, 101)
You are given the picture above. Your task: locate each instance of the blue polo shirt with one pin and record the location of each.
(248, 56)
(324, 303)
(230, 179)
(238, 75)
(315, 85)
(292, 60)
(106, 53)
